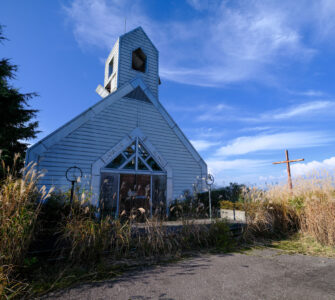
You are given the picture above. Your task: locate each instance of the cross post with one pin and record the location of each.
(287, 162)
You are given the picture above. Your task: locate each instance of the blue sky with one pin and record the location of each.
(243, 79)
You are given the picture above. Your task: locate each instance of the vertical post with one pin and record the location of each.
(209, 182)
(150, 197)
(118, 197)
(72, 189)
(210, 202)
(288, 170)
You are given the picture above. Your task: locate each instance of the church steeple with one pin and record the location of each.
(132, 56)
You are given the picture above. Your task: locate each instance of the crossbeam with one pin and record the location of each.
(287, 162)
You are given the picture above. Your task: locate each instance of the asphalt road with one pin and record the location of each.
(260, 274)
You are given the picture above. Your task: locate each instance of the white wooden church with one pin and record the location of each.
(131, 152)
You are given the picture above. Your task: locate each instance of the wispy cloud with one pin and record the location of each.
(256, 129)
(236, 41)
(308, 93)
(200, 108)
(215, 112)
(203, 144)
(265, 142)
(309, 108)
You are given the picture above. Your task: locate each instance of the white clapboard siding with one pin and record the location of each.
(91, 140)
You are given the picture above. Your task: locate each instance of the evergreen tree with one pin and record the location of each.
(16, 124)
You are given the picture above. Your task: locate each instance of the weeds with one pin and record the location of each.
(19, 210)
(308, 208)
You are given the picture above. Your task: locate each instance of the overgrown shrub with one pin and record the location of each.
(90, 239)
(279, 211)
(19, 209)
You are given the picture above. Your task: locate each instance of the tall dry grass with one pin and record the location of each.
(89, 239)
(309, 207)
(19, 209)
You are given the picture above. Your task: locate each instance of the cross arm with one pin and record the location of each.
(288, 161)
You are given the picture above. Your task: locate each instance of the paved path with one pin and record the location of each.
(260, 274)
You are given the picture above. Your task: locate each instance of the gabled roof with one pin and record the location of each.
(139, 28)
(129, 88)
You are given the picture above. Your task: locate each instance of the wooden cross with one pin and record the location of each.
(287, 162)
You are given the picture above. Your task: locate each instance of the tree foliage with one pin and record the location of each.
(16, 117)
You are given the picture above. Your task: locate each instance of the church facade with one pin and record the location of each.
(130, 151)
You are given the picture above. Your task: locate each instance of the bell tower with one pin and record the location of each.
(133, 56)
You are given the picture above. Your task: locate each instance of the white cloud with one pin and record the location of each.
(257, 128)
(215, 113)
(300, 110)
(306, 168)
(235, 41)
(223, 112)
(203, 144)
(276, 141)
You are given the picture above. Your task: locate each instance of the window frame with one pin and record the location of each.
(137, 156)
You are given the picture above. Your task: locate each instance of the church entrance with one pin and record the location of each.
(133, 183)
(135, 191)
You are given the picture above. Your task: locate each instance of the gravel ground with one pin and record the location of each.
(259, 274)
